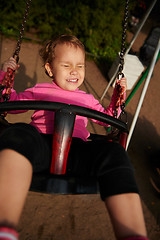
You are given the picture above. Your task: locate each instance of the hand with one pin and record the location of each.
(123, 83)
(10, 63)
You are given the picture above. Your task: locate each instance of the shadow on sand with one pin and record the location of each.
(22, 80)
(144, 151)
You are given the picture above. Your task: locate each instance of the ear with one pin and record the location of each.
(48, 69)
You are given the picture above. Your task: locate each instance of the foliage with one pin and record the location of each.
(98, 23)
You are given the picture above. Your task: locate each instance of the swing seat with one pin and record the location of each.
(58, 183)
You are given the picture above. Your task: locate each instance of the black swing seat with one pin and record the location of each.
(65, 114)
(59, 184)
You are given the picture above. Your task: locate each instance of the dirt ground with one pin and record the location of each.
(74, 217)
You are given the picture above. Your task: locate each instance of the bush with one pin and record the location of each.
(96, 23)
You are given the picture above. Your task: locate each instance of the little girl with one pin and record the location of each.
(26, 148)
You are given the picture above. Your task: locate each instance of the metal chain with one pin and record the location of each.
(18, 46)
(120, 98)
(7, 82)
(124, 34)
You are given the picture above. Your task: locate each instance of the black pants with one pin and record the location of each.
(107, 161)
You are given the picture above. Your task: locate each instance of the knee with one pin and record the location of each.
(119, 156)
(19, 137)
(18, 133)
(114, 157)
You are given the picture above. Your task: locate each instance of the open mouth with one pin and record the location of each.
(72, 80)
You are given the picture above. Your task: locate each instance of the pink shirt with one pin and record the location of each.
(44, 120)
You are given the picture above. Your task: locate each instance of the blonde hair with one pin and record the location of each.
(48, 51)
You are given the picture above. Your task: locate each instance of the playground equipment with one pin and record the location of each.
(133, 69)
(64, 116)
(50, 183)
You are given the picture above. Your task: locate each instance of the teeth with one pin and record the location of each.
(72, 80)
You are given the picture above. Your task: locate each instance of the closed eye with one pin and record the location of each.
(80, 66)
(66, 65)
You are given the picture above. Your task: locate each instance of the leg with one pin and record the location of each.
(120, 194)
(126, 215)
(15, 178)
(109, 162)
(21, 147)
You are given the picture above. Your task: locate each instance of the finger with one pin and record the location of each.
(117, 81)
(11, 58)
(12, 63)
(123, 82)
(12, 66)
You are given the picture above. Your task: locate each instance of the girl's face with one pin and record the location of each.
(68, 67)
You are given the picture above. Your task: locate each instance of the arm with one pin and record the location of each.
(26, 95)
(111, 108)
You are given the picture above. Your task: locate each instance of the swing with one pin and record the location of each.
(55, 181)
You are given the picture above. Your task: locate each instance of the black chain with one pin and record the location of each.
(18, 46)
(124, 34)
(9, 77)
(121, 60)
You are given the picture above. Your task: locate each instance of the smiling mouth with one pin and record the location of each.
(72, 80)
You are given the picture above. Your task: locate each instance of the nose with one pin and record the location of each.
(73, 71)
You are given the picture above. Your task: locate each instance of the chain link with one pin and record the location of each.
(7, 82)
(18, 46)
(120, 98)
(123, 41)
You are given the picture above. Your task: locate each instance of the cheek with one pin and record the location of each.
(82, 74)
(58, 73)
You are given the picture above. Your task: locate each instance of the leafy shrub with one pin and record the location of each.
(96, 23)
